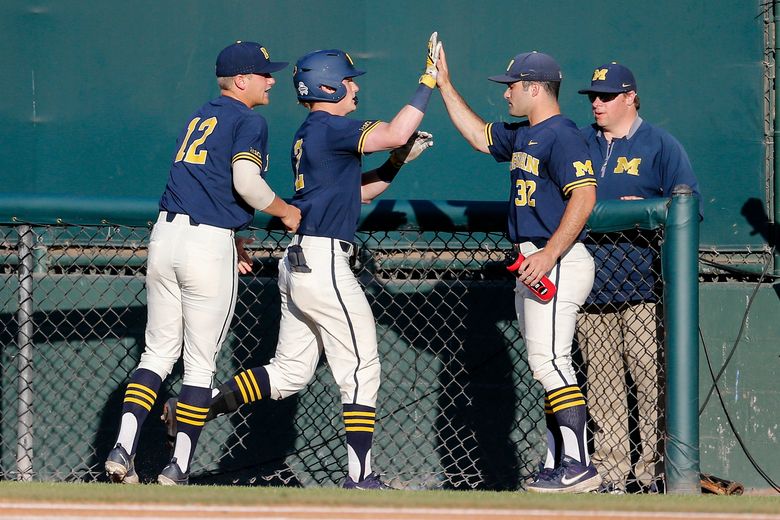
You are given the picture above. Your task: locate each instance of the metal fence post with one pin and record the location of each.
(24, 317)
(681, 298)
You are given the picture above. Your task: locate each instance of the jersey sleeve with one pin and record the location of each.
(500, 138)
(571, 166)
(251, 141)
(349, 135)
(676, 168)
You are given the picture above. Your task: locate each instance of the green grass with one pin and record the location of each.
(238, 495)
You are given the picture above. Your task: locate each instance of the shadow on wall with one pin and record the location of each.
(755, 214)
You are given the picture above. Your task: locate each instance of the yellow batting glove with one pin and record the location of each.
(428, 77)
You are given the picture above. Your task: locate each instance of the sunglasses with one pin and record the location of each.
(605, 98)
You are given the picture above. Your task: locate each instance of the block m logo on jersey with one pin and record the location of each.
(625, 166)
(600, 75)
(583, 168)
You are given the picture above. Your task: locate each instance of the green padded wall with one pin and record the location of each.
(95, 91)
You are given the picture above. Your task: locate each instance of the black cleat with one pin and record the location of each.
(372, 481)
(172, 475)
(120, 467)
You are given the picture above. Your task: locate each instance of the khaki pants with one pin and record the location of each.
(613, 343)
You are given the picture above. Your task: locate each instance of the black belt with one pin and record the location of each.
(169, 216)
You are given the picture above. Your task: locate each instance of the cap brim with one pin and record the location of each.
(274, 66)
(503, 78)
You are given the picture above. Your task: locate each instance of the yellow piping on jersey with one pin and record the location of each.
(488, 134)
(249, 157)
(578, 184)
(362, 140)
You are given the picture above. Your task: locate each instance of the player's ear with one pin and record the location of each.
(240, 81)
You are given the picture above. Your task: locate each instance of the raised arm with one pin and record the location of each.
(396, 133)
(468, 123)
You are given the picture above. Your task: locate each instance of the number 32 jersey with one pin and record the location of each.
(548, 161)
(200, 183)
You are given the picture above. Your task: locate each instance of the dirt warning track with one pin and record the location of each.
(59, 511)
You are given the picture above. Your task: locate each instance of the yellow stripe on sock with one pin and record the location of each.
(562, 399)
(142, 395)
(139, 402)
(241, 388)
(187, 421)
(254, 384)
(190, 408)
(359, 414)
(247, 386)
(184, 413)
(580, 402)
(143, 388)
(359, 429)
(359, 421)
(561, 391)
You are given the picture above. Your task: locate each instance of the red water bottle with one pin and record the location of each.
(544, 288)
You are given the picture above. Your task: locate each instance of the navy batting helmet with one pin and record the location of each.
(329, 68)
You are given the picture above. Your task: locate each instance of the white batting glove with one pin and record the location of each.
(417, 144)
(434, 47)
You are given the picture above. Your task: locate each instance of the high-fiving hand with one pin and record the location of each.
(434, 47)
(417, 144)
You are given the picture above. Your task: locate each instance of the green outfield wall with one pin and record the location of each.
(95, 92)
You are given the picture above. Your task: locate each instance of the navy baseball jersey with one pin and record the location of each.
(548, 161)
(200, 183)
(647, 163)
(327, 160)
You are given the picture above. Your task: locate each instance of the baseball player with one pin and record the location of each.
(215, 184)
(618, 331)
(552, 192)
(322, 304)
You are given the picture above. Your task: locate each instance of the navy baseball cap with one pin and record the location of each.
(612, 78)
(246, 58)
(530, 66)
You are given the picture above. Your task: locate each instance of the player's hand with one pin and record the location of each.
(244, 260)
(535, 266)
(434, 46)
(443, 71)
(292, 218)
(417, 144)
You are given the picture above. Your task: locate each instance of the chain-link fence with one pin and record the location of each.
(457, 407)
(620, 335)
